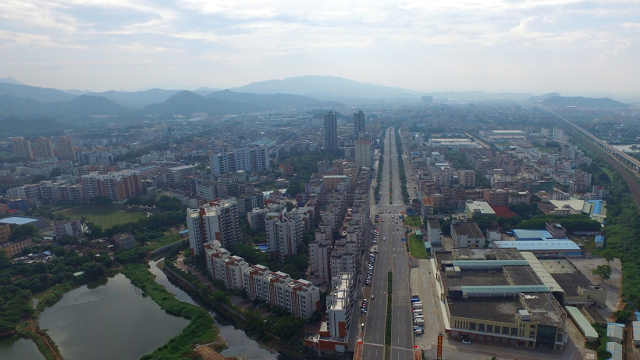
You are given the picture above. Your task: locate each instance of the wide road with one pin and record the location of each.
(392, 256)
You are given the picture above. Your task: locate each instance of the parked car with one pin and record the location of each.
(466, 342)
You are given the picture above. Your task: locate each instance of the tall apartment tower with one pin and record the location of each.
(364, 156)
(330, 131)
(66, 149)
(358, 124)
(42, 148)
(215, 221)
(21, 148)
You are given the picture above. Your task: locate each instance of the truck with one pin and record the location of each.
(417, 305)
(419, 331)
(419, 321)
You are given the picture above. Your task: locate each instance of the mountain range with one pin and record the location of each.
(310, 92)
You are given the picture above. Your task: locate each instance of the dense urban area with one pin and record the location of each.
(435, 229)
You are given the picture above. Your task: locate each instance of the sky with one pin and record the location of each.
(570, 46)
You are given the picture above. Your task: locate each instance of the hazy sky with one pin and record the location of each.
(574, 47)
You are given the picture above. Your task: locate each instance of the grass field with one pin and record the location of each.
(416, 245)
(413, 221)
(105, 216)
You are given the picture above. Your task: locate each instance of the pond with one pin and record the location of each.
(237, 340)
(16, 348)
(111, 319)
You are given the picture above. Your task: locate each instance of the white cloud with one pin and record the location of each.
(299, 37)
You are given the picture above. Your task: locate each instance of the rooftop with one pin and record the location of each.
(548, 245)
(471, 229)
(15, 220)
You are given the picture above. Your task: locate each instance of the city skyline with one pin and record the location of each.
(573, 47)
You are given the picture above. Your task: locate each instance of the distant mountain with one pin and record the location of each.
(185, 103)
(138, 99)
(87, 105)
(80, 106)
(544, 97)
(579, 101)
(10, 80)
(478, 96)
(33, 92)
(268, 101)
(325, 88)
(77, 92)
(204, 91)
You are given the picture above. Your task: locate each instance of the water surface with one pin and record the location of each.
(17, 348)
(108, 320)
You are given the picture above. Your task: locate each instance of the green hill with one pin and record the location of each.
(35, 93)
(185, 103)
(579, 101)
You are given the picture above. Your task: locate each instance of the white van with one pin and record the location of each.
(417, 305)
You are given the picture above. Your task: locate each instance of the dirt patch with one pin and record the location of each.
(208, 353)
(613, 285)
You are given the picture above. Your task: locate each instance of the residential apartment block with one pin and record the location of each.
(215, 221)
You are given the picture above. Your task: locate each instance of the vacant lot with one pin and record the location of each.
(417, 247)
(105, 216)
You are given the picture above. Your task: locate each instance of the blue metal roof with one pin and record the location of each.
(564, 245)
(523, 234)
(599, 238)
(17, 220)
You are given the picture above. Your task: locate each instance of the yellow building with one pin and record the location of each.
(5, 231)
(11, 249)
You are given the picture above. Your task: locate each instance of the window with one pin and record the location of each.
(514, 331)
(505, 330)
(497, 329)
(532, 334)
(472, 326)
(489, 328)
(480, 327)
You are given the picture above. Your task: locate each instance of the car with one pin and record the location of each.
(466, 342)
(371, 296)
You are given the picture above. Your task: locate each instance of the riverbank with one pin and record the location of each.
(201, 329)
(247, 321)
(30, 329)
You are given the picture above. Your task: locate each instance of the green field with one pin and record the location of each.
(413, 221)
(105, 216)
(416, 245)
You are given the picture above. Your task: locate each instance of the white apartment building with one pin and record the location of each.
(216, 220)
(340, 304)
(319, 252)
(364, 156)
(284, 233)
(246, 159)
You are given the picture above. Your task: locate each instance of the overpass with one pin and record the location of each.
(623, 157)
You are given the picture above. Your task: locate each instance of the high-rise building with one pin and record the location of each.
(42, 148)
(21, 148)
(66, 149)
(330, 131)
(117, 186)
(246, 159)
(364, 156)
(284, 234)
(215, 221)
(358, 124)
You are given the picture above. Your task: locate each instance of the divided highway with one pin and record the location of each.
(392, 256)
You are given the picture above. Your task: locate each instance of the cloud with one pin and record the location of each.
(240, 37)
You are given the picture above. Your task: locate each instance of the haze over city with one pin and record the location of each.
(573, 47)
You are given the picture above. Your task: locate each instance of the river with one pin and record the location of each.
(238, 342)
(110, 319)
